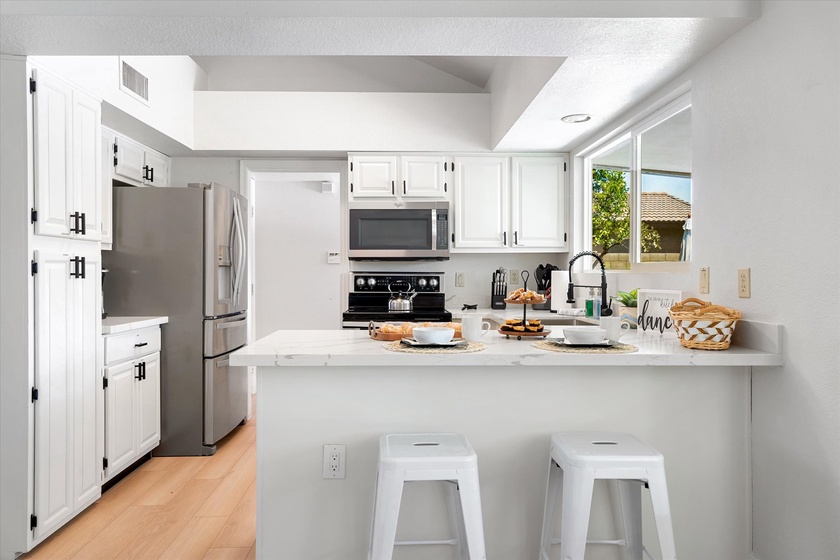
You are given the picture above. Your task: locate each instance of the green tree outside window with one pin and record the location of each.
(611, 214)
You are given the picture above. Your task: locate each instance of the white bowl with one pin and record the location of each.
(433, 335)
(584, 335)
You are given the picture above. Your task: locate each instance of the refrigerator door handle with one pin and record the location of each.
(234, 268)
(230, 324)
(240, 250)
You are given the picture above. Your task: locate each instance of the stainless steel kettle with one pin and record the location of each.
(401, 302)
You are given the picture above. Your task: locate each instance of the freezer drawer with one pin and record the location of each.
(225, 397)
(225, 335)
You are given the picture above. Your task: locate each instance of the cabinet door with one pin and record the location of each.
(87, 165)
(120, 415)
(88, 415)
(107, 165)
(148, 404)
(423, 176)
(52, 153)
(157, 169)
(55, 407)
(481, 202)
(130, 160)
(373, 176)
(538, 202)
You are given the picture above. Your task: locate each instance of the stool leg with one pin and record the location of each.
(471, 509)
(576, 504)
(456, 518)
(662, 513)
(552, 497)
(630, 499)
(386, 512)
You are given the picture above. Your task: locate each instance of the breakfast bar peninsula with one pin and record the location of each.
(341, 387)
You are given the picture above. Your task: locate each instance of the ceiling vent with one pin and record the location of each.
(134, 83)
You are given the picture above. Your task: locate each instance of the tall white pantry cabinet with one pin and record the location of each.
(51, 393)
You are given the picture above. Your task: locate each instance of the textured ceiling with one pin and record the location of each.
(617, 52)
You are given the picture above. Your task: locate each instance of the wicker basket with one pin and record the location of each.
(702, 325)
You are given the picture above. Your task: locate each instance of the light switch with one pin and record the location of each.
(704, 280)
(333, 258)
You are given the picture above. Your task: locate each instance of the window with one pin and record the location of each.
(639, 193)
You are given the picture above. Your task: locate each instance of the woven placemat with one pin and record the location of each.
(398, 346)
(618, 348)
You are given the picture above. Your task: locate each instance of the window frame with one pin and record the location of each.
(632, 131)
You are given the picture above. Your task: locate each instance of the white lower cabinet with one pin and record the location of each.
(66, 396)
(132, 397)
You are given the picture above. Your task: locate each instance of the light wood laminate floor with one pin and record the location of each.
(176, 508)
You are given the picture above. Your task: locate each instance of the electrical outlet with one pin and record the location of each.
(704, 280)
(514, 277)
(335, 457)
(743, 282)
(459, 279)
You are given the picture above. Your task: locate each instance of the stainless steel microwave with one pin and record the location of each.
(399, 231)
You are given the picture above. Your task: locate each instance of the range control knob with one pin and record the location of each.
(371, 282)
(360, 282)
(421, 282)
(433, 282)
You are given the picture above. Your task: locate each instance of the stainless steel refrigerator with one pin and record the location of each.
(181, 252)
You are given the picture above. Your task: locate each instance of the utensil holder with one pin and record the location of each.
(497, 302)
(545, 305)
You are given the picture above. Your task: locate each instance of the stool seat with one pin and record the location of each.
(604, 449)
(445, 457)
(577, 460)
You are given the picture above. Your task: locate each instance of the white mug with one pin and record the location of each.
(615, 327)
(473, 327)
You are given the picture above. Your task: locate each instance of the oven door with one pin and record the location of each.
(418, 231)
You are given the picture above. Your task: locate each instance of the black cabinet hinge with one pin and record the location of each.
(31, 85)
(116, 151)
(104, 382)
(34, 394)
(33, 521)
(34, 268)
(33, 215)
(104, 463)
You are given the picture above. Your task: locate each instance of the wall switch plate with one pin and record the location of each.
(459, 279)
(704, 280)
(743, 282)
(333, 257)
(335, 457)
(514, 277)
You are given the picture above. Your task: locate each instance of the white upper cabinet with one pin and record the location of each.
(510, 204)
(482, 191)
(423, 176)
(139, 165)
(107, 188)
(67, 160)
(538, 202)
(398, 176)
(373, 176)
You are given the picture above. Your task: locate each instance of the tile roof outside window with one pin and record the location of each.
(663, 207)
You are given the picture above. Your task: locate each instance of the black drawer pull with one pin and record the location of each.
(139, 344)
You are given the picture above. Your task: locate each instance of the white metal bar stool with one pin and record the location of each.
(577, 460)
(412, 457)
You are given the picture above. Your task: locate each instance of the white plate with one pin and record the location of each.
(603, 344)
(453, 342)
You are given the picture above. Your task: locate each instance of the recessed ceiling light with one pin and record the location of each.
(578, 118)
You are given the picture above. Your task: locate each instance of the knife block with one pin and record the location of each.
(497, 302)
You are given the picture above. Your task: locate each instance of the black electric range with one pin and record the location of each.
(371, 291)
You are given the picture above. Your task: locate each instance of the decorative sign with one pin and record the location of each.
(653, 309)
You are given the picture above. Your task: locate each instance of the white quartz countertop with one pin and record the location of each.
(114, 325)
(356, 348)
